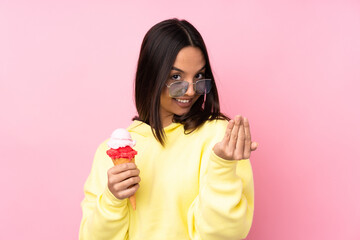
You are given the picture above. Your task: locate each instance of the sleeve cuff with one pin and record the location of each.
(109, 199)
(222, 168)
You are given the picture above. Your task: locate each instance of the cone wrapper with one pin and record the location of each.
(118, 161)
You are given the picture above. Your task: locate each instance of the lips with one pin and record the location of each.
(183, 102)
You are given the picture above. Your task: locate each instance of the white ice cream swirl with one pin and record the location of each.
(120, 138)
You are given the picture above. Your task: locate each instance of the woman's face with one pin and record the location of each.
(189, 66)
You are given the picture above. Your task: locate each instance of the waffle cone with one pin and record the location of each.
(118, 161)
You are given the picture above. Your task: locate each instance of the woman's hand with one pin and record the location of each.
(123, 180)
(236, 144)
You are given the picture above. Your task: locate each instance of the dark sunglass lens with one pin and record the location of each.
(178, 89)
(203, 86)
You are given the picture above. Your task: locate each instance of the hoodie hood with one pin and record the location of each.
(144, 129)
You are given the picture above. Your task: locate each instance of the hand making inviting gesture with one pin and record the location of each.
(236, 144)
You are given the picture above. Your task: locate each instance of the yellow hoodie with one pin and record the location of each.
(186, 191)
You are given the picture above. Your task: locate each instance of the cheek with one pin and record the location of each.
(165, 93)
(165, 99)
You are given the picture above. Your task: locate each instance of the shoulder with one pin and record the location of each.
(213, 128)
(139, 128)
(214, 125)
(103, 147)
(209, 133)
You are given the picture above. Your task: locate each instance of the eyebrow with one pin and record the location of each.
(177, 69)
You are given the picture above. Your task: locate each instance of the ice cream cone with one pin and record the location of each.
(118, 161)
(121, 151)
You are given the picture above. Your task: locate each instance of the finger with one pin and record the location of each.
(234, 134)
(128, 183)
(254, 146)
(229, 128)
(247, 146)
(125, 175)
(122, 167)
(239, 151)
(120, 177)
(129, 191)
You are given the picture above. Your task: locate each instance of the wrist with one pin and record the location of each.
(109, 198)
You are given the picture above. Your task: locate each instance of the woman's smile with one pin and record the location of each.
(184, 103)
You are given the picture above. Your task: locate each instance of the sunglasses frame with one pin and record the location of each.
(188, 84)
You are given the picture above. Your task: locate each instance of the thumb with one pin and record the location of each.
(254, 146)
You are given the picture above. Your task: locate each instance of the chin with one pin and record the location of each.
(181, 113)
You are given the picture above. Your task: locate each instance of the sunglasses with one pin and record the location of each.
(179, 88)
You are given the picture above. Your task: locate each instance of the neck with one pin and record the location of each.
(167, 120)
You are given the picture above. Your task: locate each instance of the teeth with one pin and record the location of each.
(182, 101)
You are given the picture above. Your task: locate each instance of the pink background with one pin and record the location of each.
(291, 67)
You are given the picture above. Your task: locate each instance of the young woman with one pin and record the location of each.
(192, 175)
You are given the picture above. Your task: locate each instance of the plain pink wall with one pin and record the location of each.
(291, 67)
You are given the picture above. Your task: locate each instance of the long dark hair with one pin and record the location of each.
(159, 49)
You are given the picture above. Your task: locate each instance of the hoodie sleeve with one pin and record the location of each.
(225, 204)
(104, 216)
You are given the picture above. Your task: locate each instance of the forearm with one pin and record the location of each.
(105, 217)
(223, 209)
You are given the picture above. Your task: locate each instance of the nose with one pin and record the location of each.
(191, 90)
